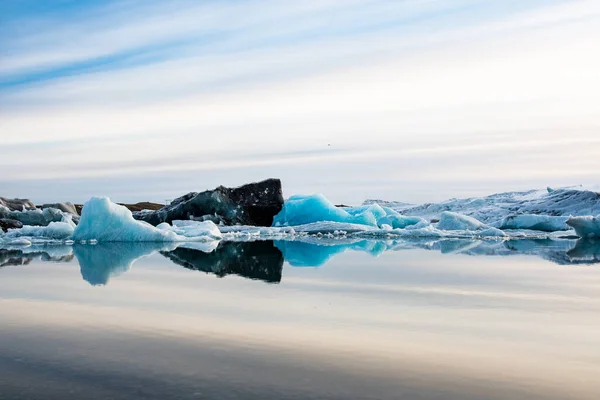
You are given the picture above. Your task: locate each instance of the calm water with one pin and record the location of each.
(288, 320)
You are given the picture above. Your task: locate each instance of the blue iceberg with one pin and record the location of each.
(302, 210)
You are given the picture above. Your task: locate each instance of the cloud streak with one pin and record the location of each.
(152, 87)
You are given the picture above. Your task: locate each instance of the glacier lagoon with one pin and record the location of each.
(313, 317)
(493, 297)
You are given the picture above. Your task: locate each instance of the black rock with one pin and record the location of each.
(251, 204)
(6, 224)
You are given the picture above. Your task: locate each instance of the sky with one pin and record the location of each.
(402, 100)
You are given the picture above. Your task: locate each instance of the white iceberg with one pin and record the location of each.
(545, 223)
(587, 227)
(105, 221)
(192, 229)
(53, 231)
(491, 210)
(451, 221)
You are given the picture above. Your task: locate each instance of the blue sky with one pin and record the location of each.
(406, 100)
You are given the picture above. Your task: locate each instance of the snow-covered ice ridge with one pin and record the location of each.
(548, 210)
(536, 214)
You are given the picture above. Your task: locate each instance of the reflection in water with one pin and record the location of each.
(562, 252)
(319, 251)
(585, 251)
(102, 261)
(23, 256)
(254, 260)
(263, 260)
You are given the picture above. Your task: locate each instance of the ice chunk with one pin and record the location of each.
(491, 232)
(193, 229)
(301, 210)
(305, 210)
(545, 223)
(35, 216)
(54, 230)
(400, 221)
(105, 221)
(451, 221)
(586, 227)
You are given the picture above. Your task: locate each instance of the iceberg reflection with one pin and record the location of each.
(263, 260)
(319, 252)
(100, 262)
(23, 256)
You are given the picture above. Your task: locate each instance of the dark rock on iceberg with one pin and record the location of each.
(26, 212)
(251, 204)
(17, 204)
(64, 207)
(35, 216)
(6, 224)
(259, 260)
(144, 205)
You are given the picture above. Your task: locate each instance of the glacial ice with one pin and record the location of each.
(304, 210)
(575, 201)
(105, 221)
(53, 231)
(301, 210)
(451, 221)
(545, 223)
(536, 214)
(587, 227)
(36, 216)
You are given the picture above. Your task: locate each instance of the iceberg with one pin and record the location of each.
(545, 223)
(54, 230)
(35, 216)
(451, 221)
(105, 221)
(587, 227)
(303, 210)
(192, 229)
(492, 209)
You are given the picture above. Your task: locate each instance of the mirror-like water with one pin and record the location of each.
(448, 319)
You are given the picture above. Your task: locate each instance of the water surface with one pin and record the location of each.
(295, 320)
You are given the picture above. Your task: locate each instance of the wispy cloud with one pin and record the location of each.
(126, 86)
